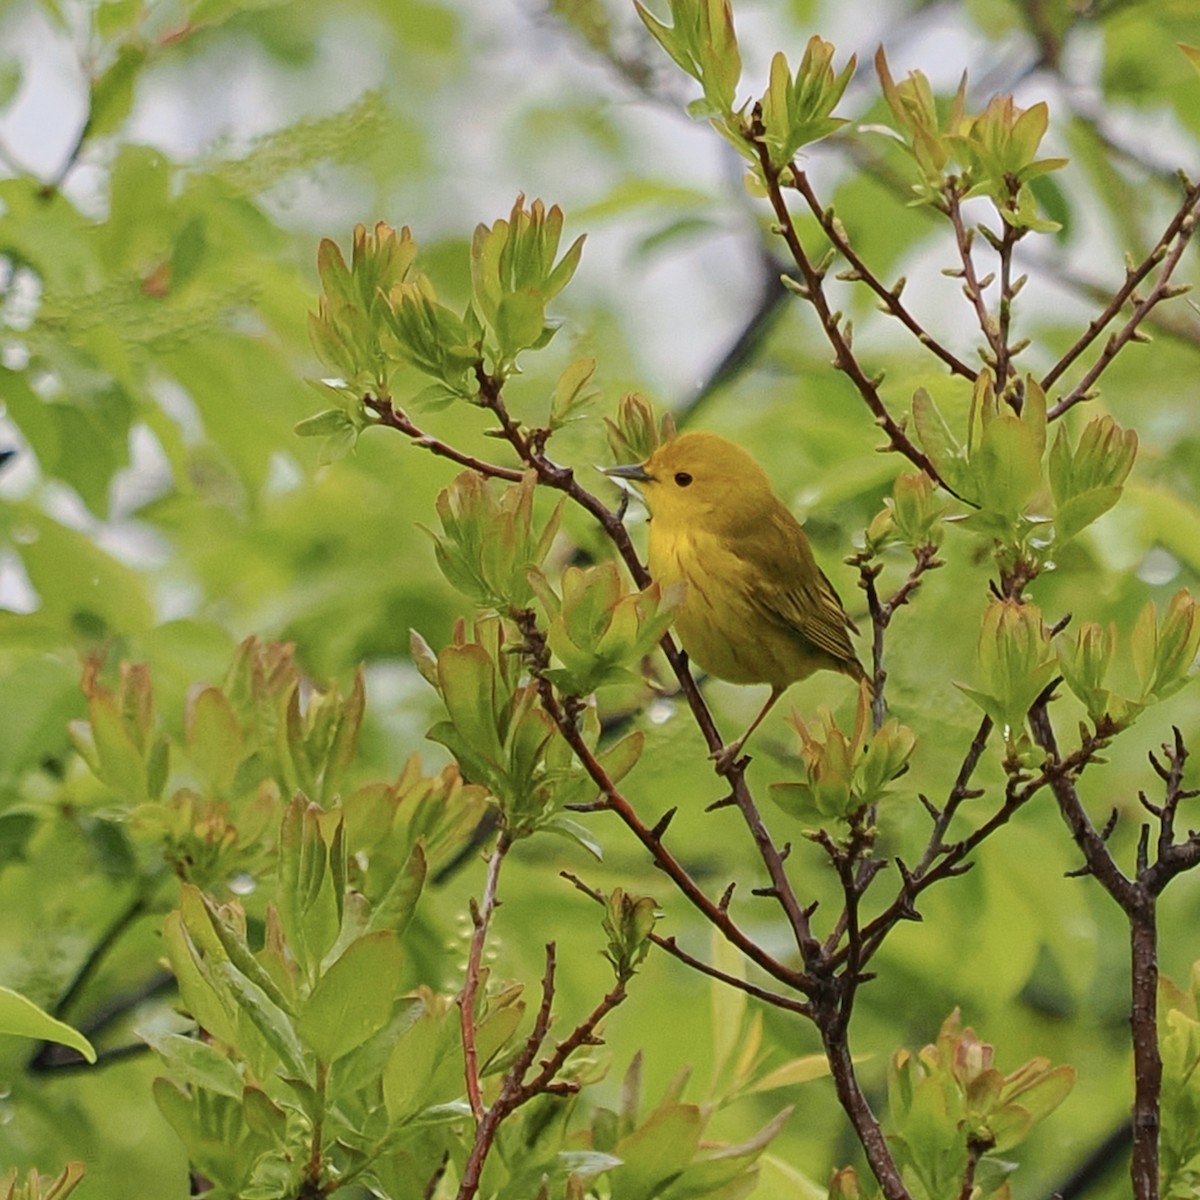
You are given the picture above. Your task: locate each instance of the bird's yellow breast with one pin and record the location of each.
(721, 628)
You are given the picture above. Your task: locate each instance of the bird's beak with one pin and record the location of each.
(635, 472)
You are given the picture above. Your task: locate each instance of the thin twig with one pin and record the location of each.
(1180, 227)
(390, 417)
(972, 286)
(672, 947)
(812, 290)
(860, 272)
(481, 916)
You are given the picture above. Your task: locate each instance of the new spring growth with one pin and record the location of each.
(598, 631)
(120, 741)
(1083, 662)
(489, 544)
(1164, 652)
(504, 740)
(844, 771)
(347, 329)
(797, 110)
(636, 433)
(995, 151)
(949, 1103)
(628, 921)
(1015, 664)
(702, 42)
(1002, 466)
(913, 514)
(514, 276)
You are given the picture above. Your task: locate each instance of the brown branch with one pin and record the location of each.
(860, 272)
(882, 612)
(1138, 903)
(481, 916)
(812, 289)
(1179, 231)
(584, 1034)
(612, 800)
(670, 946)
(972, 286)
(1008, 290)
(866, 1125)
(390, 417)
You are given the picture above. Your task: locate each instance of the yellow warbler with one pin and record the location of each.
(757, 608)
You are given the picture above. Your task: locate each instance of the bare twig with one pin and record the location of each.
(672, 947)
(390, 417)
(481, 916)
(1169, 246)
(882, 612)
(973, 287)
(812, 289)
(860, 272)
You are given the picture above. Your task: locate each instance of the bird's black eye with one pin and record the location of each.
(682, 478)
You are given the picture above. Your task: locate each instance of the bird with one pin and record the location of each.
(756, 608)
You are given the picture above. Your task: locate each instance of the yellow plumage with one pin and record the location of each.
(757, 608)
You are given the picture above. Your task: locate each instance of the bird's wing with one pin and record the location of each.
(793, 591)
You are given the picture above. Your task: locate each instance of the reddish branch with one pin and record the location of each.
(516, 1090)
(813, 290)
(1167, 251)
(860, 272)
(481, 916)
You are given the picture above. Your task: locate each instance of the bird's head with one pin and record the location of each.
(700, 480)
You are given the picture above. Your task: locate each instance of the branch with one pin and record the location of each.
(1172, 858)
(882, 612)
(812, 289)
(584, 1034)
(390, 417)
(670, 946)
(973, 286)
(481, 916)
(1179, 231)
(514, 1091)
(1061, 775)
(612, 800)
(889, 298)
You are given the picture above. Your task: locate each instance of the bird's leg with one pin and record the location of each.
(727, 755)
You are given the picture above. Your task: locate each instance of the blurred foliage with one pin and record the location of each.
(167, 171)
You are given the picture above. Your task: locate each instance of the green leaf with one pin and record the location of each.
(268, 1018)
(197, 1063)
(1007, 465)
(353, 998)
(323, 424)
(396, 906)
(112, 93)
(520, 317)
(214, 738)
(426, 1066)
(575, 832)
(657, 1151)
(944, 450)
(24, 1019)
(792, 1074)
